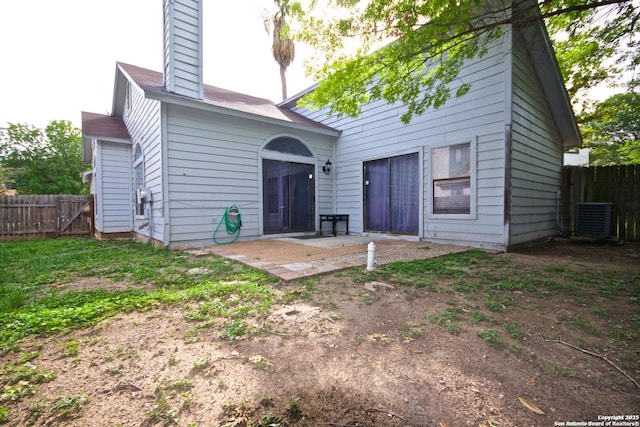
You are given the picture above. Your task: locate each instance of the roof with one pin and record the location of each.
(152, 83)
(100, 126)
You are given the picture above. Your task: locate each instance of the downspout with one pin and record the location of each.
(507, 183)
(166, 213)
(99, 200)
(150, 241)
(508, 135)
(334, 181)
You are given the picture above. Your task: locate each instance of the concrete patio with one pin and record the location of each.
(295, 258)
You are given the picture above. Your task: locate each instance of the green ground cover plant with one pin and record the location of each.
(35, 298)
(491, 288)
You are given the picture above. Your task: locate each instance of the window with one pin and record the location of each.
(288, 196)
(288, 145)
(128, 97)
(392, 194)
(451, 174)
(138, 179)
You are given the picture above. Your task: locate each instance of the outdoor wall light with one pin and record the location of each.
(327, 167)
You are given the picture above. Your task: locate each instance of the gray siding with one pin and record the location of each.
(479, 116)
(113, 188)
(142, 118)
(536, 156)
(213, 163)
(183, 47)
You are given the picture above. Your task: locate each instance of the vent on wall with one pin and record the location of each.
(594, 220)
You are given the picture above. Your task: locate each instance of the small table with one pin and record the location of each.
(334, 219)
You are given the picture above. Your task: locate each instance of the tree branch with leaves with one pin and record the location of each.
(43, 161)
(412, 51)
(612, 131)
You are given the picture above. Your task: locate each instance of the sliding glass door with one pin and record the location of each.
(288, 196)
(392, 194)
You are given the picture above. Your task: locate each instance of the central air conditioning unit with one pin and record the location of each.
(594, 220)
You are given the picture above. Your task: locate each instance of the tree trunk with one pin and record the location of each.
(283, 80)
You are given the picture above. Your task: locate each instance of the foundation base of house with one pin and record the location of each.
(145, 239)
(112, 236)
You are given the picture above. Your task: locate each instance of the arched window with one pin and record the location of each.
(288, 145)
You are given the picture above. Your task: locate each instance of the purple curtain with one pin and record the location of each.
(392, 194)
(405, 194)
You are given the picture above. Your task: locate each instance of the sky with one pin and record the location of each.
(59, 56)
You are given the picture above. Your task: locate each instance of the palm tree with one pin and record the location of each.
(282, 48)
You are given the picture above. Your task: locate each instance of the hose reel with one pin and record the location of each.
(232, 221)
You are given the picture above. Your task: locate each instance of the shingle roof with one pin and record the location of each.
(152, 82)
(100, 125)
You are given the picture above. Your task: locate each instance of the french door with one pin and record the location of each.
(288, 193)
(392, 194)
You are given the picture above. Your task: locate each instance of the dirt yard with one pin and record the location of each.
(377, 354)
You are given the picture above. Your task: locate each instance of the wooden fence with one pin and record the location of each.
(619, 185)
(31, 217)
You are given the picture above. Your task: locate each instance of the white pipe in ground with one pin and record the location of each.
(371, 251)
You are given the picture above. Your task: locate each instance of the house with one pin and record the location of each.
(577, 157)
(482, 171)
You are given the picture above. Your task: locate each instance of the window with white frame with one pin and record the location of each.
(451, 176)
(128, 97)
(138, 180)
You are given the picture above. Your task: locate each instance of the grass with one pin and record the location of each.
(293, 408)
(513, 328)
(20, 381)
(411, 331)
(496, 281)
(169, 399)
(201, 364)
(449, 319)
(484, 295)
(269, 421)
(559, 370)
(37, 299)
(580, 322)
(500, 288)
(69, 406)
(491, 337)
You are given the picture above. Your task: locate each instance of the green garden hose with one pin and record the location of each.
(233, 222)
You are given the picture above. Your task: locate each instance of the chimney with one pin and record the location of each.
(183, 47)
